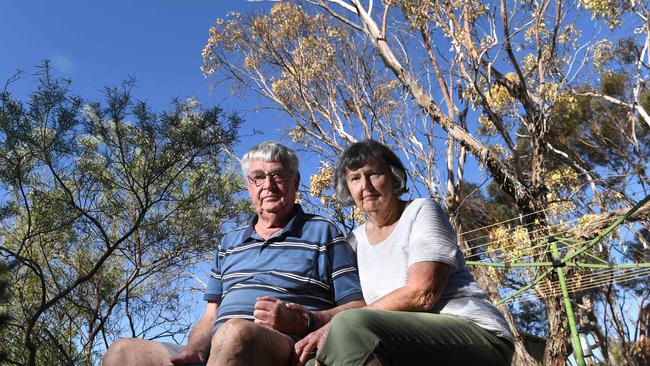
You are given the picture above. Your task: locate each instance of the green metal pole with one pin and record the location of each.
(577, 347)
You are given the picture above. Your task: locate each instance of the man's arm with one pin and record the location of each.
(198, 343)
(290, 318)
(306, 347)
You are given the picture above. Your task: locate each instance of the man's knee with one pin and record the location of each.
(118, 352)
(242, 342)
(133, 351)
(234, 336)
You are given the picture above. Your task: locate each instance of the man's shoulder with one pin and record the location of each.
(318, 221)
(314, 224)
(233, 236)
(314, 218)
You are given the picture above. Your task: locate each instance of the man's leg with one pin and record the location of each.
(136, 352)
(241, 342)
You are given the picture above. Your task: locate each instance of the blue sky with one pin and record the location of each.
(98, 43)
(158, 42)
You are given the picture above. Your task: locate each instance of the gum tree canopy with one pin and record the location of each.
(105, 208)
(547, 98)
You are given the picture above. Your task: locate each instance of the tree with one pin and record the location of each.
(107, 209)
(505, 85)
(4, 300)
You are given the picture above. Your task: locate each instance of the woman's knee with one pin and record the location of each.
(351, 338)
(352, 323)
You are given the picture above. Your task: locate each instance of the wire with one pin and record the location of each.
(575, 284)
(555, 292)
(548, 208)
(563, 230)
(514, 245)
(519, 218)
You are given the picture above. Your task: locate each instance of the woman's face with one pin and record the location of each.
(371, 187)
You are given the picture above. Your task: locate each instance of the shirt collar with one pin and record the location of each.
(293, 226)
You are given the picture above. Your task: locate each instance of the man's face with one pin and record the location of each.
(272, 188)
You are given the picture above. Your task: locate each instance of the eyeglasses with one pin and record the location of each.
(278, 177)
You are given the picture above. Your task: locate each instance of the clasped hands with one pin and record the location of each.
(290, 318)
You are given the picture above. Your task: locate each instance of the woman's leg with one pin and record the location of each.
(407, 338)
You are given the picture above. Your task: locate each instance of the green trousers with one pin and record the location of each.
(408, 338)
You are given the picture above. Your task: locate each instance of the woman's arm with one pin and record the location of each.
(425, 284)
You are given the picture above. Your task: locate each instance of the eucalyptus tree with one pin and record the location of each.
(106, 208)
(549, 103)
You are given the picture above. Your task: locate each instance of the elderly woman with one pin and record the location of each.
(424, 306)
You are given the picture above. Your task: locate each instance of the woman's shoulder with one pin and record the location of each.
(358, 230)
(418, 204)
(357, 236)
(424, 210)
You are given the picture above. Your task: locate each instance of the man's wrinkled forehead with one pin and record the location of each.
(261, 166)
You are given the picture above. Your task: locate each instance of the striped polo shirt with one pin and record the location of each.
(309, 263)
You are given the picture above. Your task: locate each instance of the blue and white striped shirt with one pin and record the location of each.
(309, 262)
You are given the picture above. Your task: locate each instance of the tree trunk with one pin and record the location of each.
(521, 356)
(588, 321)
(558, 332)
(617, 319)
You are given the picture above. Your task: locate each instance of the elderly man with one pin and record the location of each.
(275, 280)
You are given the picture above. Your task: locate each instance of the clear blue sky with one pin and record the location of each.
(98, 43)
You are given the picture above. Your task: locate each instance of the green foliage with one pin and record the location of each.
(4, 300)
(531, 317)
(600, 133)
(108, 206)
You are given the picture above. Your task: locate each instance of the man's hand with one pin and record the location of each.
(284, 317)
(307, 347)
(189, 356)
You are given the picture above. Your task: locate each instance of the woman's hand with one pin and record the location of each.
(307, 347)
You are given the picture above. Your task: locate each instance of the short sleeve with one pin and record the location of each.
(215, 287)
(432, 237)
(344, 274)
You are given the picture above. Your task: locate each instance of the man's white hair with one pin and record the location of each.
(271, 151)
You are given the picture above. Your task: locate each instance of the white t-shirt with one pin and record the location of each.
(423, 233)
